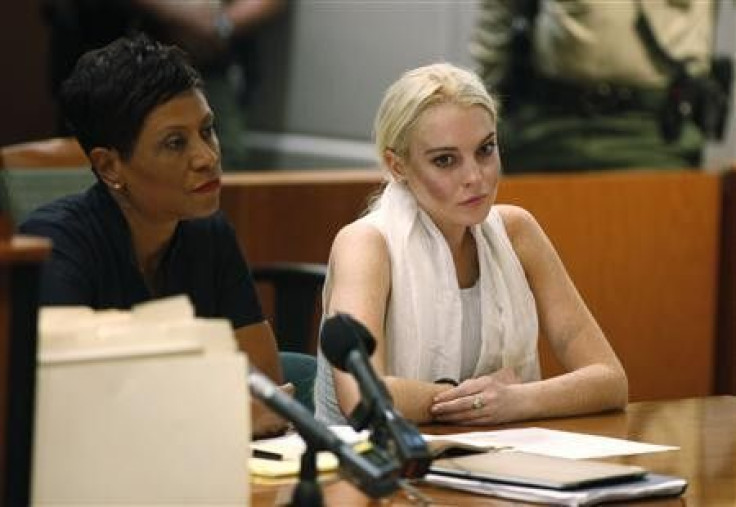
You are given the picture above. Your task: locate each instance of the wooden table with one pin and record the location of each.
(703, 428)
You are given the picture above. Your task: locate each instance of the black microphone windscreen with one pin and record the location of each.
(342, 334)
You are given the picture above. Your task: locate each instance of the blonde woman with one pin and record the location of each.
(456, 289)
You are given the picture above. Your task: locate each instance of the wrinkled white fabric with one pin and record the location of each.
(424, 314)
(423, 326)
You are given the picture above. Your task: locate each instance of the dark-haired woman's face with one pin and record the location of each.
(174, 171)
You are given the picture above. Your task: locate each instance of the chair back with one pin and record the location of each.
(38, 172)
(296, 302)
(27, 190)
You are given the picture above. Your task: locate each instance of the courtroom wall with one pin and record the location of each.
(326, 65)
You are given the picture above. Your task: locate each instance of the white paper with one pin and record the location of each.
(548, 442)
(291, 445)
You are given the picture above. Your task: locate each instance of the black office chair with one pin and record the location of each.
(297, 289)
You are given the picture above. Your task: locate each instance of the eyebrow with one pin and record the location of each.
(491, 136)
(207, 118)
(163, 135)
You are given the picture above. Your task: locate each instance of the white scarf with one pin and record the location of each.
(424, 313)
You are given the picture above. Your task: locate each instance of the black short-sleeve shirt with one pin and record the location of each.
(92, 261)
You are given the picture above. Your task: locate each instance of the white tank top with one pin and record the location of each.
(471, 330)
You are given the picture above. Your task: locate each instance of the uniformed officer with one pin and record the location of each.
(593, 85)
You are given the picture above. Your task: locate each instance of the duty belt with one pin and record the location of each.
(599, 98)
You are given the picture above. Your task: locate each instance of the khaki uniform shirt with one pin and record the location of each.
(589, 41)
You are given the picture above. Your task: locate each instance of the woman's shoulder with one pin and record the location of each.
(523, 230)
(516, 220)
(68, 212)
(360, 234)
(359, 260)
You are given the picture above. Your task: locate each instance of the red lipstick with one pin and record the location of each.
(209, 186)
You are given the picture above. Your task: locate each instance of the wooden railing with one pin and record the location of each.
(48, 153)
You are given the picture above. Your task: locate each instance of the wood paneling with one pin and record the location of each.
(293, 216)
(643, 250)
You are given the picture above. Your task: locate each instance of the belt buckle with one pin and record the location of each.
(605, 98)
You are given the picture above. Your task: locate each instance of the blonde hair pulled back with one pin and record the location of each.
(416, 91)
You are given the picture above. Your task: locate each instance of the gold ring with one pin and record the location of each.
(478, 402)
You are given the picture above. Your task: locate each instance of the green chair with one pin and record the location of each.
(297, 289)
(39, 171)
(29, 188)
(301, 371)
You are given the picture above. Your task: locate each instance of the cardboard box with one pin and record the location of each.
(128, 419)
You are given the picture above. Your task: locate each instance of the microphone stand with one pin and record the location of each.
(395, 434)
(308, 492)
(374, 472)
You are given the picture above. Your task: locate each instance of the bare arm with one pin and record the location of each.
(595, 379)
(259, 344)
(244, 14)
(360, 275)
(193, 24)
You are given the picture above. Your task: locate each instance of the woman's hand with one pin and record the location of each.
(484, 400)
(266, 423)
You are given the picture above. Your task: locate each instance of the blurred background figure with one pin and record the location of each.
(595, 85)
(217, 34)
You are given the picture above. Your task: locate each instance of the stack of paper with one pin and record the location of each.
(557, 444)
(562, 444)
(280, 456)
(652, 485)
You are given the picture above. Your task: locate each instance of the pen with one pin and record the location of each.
(260, 453)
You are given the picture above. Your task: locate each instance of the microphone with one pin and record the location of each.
(375, 473)
(347, 345)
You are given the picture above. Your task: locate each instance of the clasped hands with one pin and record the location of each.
(483, 400)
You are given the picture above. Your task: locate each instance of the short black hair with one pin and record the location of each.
(112, 90)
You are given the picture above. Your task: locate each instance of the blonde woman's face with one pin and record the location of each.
(453, 165)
